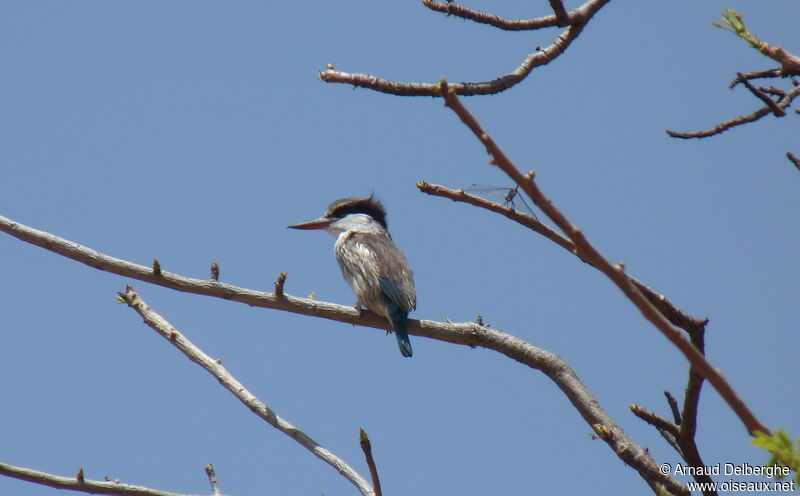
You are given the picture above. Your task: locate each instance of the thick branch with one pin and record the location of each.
(577, 20)
(468, 334)
(616, 274)
(82, 485)
(229, 382)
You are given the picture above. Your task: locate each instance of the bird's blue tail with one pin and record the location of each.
(399, 318)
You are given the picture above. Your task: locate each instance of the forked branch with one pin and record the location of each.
(574, 21)
(467, 334)
(675, 315)
(229, 382)
(781, 104)
(586, 251)
(789, 66)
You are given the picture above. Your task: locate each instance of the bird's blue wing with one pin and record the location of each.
(394, 274)
(392, 291)
(398, 315)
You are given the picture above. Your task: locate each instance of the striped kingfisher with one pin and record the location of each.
(373, 266)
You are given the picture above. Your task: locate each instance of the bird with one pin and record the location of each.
(373, 266)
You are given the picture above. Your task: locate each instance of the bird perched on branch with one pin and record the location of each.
(373, 266)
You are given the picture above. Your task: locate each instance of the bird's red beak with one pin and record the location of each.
(320, 223)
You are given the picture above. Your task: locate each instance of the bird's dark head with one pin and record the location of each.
(368, 206)
(344, 207)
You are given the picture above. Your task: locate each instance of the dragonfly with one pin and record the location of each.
(510, 197)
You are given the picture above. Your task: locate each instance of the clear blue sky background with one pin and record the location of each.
(197, 131)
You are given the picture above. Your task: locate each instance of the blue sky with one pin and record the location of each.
(197, 131)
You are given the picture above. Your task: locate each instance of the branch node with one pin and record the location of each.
(156, 267)
(212, 479)
(79, 476)
(673, 405)
(215, 271)
(366, 447)
(651, 418)
(602, 431)
(776, 110)
(280, 282)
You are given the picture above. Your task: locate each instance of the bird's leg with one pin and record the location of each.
(358, 308)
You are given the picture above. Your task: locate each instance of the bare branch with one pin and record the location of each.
(779, 112)
(79, 484)
(560, 11)
(667, 429)
(691, 397)
(675, 315)
(526, 220)
(738, 121)
(587, 251)
(793, 159)
(467, 334)
(212, 479)
(366, 447)
(651, 418)
(673, 406)
(280, 282)
(229, 382)
(790, 65)
(457, 10)
(770, 73)
(574, 17)
(577, 20)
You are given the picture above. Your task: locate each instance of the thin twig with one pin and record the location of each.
(83, 485)
(673, 406)
(616, 274)
(366, 447)
(229, 382)
(738, 121)
(793, 159)
(654, 420)
(691, 398)
(675, 315)
(467, 334)
(659, 424)
(770, 73)
(777, 111)
(280, 282)
(212, 479)
(772, 91)
(577, 20)
(457, 10)
(688, 418)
